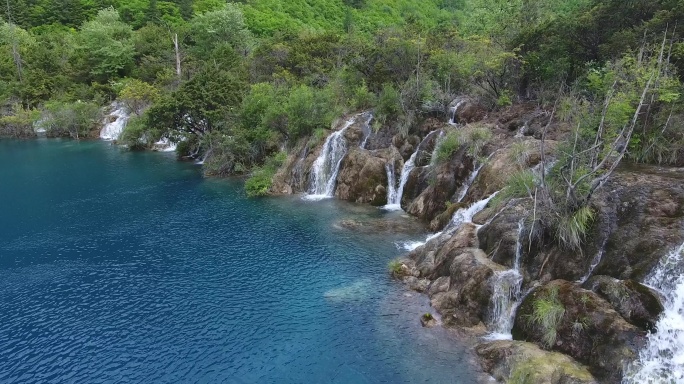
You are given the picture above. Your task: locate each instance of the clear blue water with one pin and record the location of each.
(131, 267)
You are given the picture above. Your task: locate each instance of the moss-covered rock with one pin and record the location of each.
(635, 302)
(563, 317)
(517, 362)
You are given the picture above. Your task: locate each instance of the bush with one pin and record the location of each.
(75, 119)
(395, 267)
(389, 104)
(571, 228)
(261, 179)
(447, 147)
(19, 124)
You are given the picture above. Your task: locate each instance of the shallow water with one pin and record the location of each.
(130, 267)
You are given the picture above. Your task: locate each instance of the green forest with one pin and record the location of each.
(242, 81)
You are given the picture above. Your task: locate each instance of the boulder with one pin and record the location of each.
(563, 317)
(520, 362)
(445, 180)
(643, 200)
(362, 178)
(635, 302)
(466, 302)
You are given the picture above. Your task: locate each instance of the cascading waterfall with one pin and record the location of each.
(506, 295)
(391, 185)
(394, 194)
(662, 359)
(465, 215)
(466, 186)
(112, 130)
(165, 145)
(327, 165)
(462, 216)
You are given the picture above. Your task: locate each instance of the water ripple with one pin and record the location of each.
(129, 267)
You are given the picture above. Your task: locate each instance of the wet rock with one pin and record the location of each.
(499, 238)
(292, 176)
(470, 112)
(428, 321)
(446, 178)
(520, 362)
(635, 302)
(563, 317)
(466, 302)
(505, 162)
(362, 177)
(648, 201)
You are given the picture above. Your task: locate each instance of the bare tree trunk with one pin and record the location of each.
(15, 46)
(177, 52)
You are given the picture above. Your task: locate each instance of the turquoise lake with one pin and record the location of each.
(120, 267)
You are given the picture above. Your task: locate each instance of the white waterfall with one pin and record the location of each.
(662, 359)
(466, 186)
(165, 145)
(112, 130)
(327, 165)
(391, 186)
(465, 215)
(454, 110)
(462, 216)
(367, 130)
(506, 294)
(395, 193)
(595, 261)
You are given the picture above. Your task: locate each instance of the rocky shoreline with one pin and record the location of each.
(576, 315)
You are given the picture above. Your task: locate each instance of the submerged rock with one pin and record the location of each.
(520, 362)
(359, 290)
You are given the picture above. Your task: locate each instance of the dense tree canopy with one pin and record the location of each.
(242, 79)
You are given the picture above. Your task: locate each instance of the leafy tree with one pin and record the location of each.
(222, 26)
(138, 95)
(106, 46)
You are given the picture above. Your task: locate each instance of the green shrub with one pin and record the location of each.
(547, 314)
(261, 179)
(395, 267)
(20, 123)
(75, 119)
(389, 104)
(571, 228)
(447, 147)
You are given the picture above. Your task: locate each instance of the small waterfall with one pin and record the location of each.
(506, 294)
(391, 185)
(462, 216)
(465, 215)
(394, 194)
(595, 261)
(112, 130)
(165, 145)
(662, 359)
(466, 186)
(367, 130)
(327, 165)
(454, 110)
